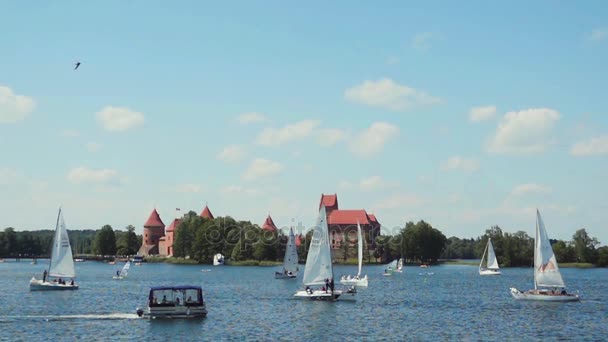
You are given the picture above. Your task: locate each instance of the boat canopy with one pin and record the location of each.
(176, 295)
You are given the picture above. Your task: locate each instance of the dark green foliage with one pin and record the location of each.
(105, 241)
(127, 242)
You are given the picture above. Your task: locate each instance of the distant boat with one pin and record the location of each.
(390, 268)
(290, 261)
(205, 270)
(174, 302)
(34, 261)
(78, 260)
(399, 266)
(319, 269)
(357, 280)
(124, 272)
(61, 263)
(491, 267)
(218, 259)
(546, 271)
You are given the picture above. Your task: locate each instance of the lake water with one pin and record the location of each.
(454, 303)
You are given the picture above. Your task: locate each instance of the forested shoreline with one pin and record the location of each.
(198, 239)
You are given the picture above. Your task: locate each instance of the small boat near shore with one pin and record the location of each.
(174, 302)
(491, 267)
(290, 261)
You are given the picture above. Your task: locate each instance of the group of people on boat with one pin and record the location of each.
(176, 301)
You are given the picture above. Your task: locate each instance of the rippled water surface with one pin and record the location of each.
(452, 303)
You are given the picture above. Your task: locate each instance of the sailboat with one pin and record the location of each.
(390, 268)
(491, 267)
(124, 272)
(356, 280)
(546, 271)
(399, 268)
(290, 262)
(61, 265)
(319, 269)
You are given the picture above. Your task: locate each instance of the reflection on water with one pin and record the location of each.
(454, 303)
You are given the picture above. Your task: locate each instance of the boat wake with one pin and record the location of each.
(111, 316)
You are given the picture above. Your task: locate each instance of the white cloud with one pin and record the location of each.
(422, 40)
(262, 168)
(524, 132)
(117, 119)
(373, 183)
(477, 114)
(392, 60)
(460, 163)
(232, 153)
(345, 185)
(598, 34)
(530, 188)
(14, 107)
(240, 190)
(387, 94)
(331, 136)
(187, 188)
(373, 139)
(85, 175)
(93, 147)
(399, 201)
(593, 146)
(247, 118)
(280, 136)
(8, 176)
(70, 133)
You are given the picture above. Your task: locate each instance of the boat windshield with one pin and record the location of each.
(168, 296)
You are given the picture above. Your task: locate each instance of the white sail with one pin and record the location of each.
(400, 264)
(546, 270)
(393, 265)
(492, 262)
(125, 269)
(318, 263)
(62, 263)
(360, 240)
(290, 262)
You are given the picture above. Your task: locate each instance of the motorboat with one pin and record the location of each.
(174, 302)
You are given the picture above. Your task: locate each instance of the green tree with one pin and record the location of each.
(105, 241)
(127, 243)
(584, 246)
(422, 242)
(602, 256)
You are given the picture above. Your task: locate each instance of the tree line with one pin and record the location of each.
(517, 249)
(38, 244)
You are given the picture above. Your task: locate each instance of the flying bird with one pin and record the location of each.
(77, 65)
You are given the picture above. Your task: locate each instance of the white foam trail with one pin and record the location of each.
(66, 317)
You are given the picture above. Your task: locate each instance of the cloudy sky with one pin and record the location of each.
(465, 115)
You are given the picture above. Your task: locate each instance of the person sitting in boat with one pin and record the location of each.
(118, 273)
(189, 300)
(60, 281)
(72, 282)
(308, 290)
(289, 273)
(164, 301)
(176, 301)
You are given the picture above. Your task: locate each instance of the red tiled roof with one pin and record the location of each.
(269, 224)
(330, 201)
(173, 225)
(206, 213)
(154, 220)
(372, 218)
(348, 217)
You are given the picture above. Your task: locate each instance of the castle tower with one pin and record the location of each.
(206, 213)
(269, 225)
(154, 229)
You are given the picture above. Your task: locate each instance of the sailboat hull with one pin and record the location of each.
(39, 285)
(489, 272)
(543, 295)
(360, 282)
(318, 295)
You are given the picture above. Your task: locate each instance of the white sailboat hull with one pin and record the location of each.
(318, 295)
(118, 277)
(543, 295)
(39, 285)
(489, 272)
(360, 282)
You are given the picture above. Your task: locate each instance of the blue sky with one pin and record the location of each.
(465, 115)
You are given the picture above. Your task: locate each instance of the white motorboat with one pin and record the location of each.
(357, 280)
(491, 267)
(549, 285)
(218, 259)
(61, 263)
(290, 261)
(174, 302)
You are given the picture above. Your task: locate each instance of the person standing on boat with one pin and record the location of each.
(44, 274)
